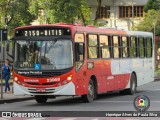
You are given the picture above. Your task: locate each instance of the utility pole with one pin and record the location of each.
(154, 39)
(114, 12)
(132, 12)
(3, 36)
(1, 32)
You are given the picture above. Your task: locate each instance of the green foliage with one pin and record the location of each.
(16, 13)
(61, 11)
(150, 18)
(152, 4)
(23, 12)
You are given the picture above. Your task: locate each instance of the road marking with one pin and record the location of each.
(114, 101)
(122, 101)
(95, 119)
(68, 119)
(36, 119)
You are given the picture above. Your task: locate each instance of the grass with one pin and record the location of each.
(157, 71)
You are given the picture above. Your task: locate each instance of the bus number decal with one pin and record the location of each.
(42, 32)
(53, 80)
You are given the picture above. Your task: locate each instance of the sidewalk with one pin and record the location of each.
(9, 97)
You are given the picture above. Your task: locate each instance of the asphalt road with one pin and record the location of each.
(105, 102)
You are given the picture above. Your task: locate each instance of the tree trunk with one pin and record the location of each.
(98, 9)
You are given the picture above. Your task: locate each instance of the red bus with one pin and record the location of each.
(74, 60)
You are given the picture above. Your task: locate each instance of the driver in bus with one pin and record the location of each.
(33, 52)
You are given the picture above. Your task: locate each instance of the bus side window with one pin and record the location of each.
(133, 48)
(125, 47)
(79, 50)
(149, 47)
(141, 47)
(116, 47)
(93, 46)
(104, 46)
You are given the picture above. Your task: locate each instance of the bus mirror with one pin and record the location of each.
(79, 48)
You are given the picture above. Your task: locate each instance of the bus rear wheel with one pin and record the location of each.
(133, 86)
(41, 98)
(91, 93)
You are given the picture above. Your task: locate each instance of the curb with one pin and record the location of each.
(156, 79)
(3, 101)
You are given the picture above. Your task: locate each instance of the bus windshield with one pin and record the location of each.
(43, 55)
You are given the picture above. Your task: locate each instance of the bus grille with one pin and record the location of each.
(33, 90)
(52, 83)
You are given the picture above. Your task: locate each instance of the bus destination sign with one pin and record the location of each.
(42, 32)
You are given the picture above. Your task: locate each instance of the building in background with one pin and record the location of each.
(118, 13)
(121, 14)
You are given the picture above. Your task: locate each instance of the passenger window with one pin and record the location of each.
(125, 47)
(79, 50)
(104, 46)
(141, 47)
(116, 47)
(92, 46)
(149, 47)
(133, 51)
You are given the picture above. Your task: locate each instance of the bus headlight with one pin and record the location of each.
(69, 78)
(15, 78)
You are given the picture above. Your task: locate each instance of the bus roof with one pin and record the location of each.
(139, 33)
(92, 29)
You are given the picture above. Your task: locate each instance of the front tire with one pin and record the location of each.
(91, 93)
(41, 98)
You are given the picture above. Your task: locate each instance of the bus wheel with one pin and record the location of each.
(91, 93)
(41, 98)
(133, 85)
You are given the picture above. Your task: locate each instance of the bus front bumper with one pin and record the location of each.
(68, 89)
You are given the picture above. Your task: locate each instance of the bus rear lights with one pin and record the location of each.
(15, 78)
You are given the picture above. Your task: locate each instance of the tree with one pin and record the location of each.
(98, 8)
(15, 13)
(62, 11)
(152, 4)
(23, 12)
(150, 18)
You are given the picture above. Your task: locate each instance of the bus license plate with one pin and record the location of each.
(40, 90)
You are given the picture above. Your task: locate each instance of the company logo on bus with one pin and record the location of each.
(31, 80)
